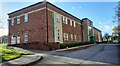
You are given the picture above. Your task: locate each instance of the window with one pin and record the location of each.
(74, 24)
(12, 21)
(64, 36)
(18, 39)
(57, 17)
(26, 37)
(70, 22)
(18, 20)
(66, 21)
(58, 35)
(90, 30)
(67, 37)
(26, 17)
(78, 25)
(13, 39)
(75, 37)
(71, 37)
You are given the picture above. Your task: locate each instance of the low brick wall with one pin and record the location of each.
(39, 45)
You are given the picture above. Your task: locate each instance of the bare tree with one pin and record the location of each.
(106, 36)
(117, 20)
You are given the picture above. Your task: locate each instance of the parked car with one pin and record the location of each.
(115, 41)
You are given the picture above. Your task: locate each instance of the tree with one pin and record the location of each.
(106, 36)
(116, 29)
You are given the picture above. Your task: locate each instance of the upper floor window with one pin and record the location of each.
(74, 24)
(79, 25)
(66, 21)
(63, 19)
(12, 22)
(26, 17)
(18, 20)
(57, 17)
(70, 22)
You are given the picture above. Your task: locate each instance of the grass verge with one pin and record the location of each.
(9, 54)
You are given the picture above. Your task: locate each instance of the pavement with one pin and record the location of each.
(52, 59)
(98, 54)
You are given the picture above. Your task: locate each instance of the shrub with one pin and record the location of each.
(62, 46)
(9, 54)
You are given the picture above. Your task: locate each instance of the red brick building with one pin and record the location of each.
(44, 22)
(97, 34)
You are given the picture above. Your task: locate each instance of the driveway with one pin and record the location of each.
(105, 53)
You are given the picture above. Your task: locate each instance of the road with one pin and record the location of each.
(102, 53)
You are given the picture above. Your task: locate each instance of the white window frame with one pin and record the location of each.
(66, 21)
(26, 37)
(12, 22)
(64, 36)
(67, 37)
(18, 20)
(18, 39)
(74, 24)
(26, 18)
(70, 22)
(13, 39)
(71, 37)
(57, 17)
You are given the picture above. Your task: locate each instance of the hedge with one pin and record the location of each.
(62, 46)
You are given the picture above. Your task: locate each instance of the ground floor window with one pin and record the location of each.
(64, 36)
(13, 39)
(58, 35)
(18, 39)
(71, 37)
(75, 37)
(67, 37)
(26, 37)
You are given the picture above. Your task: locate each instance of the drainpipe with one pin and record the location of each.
(46, 18)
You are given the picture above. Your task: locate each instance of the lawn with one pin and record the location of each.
(3, 44)
(9, 54)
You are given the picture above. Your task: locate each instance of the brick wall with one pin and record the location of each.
(39, 45)
(67, 28)
(36, 25)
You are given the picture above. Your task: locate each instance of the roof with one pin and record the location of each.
(40, 3)
(63, 11)
(97, 29)
(24, 8)
(86, 19)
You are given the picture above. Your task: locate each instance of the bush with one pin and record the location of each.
(105, 42)
(62, 46)
(9, 54)
(109, 42)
